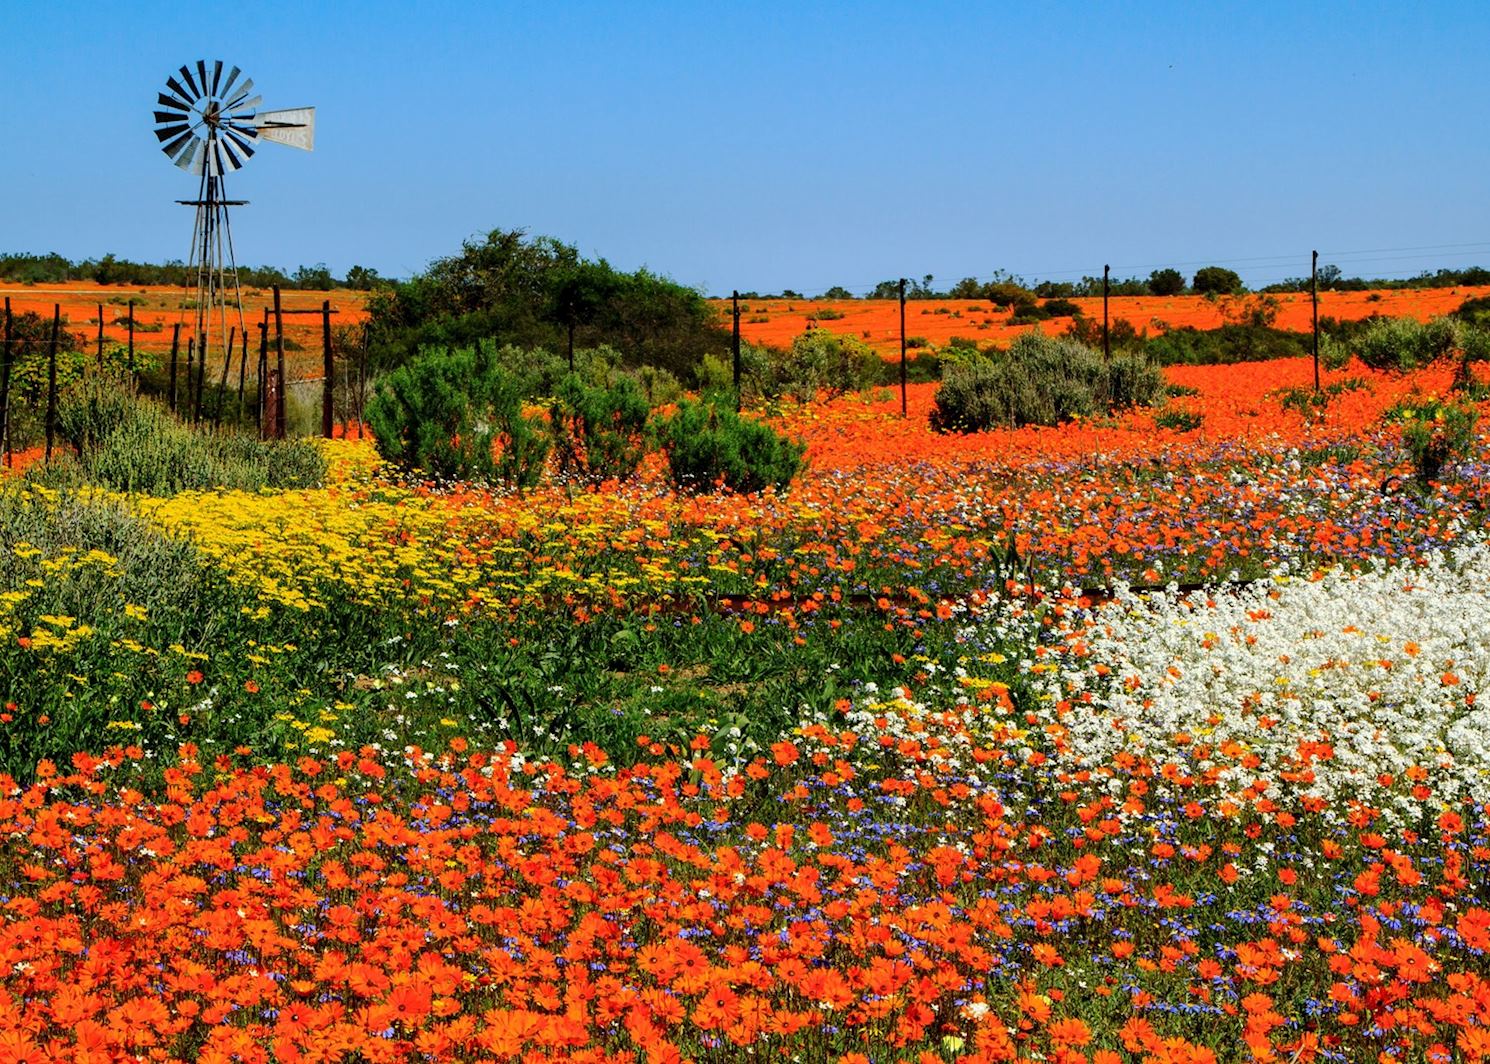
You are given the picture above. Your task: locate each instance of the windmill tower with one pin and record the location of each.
(209, 125)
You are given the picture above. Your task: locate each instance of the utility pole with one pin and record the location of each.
(100, 336)
(1314, 297)
(1106, 338)
(735, 300)
(902, 348)
(131, 337)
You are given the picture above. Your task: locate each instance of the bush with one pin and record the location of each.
(1400, 345)
(1060, 308)
(1178, 419)
(1040, 380)
(1216, 280)
(1166, 282)
(819, 364)
(1435, 433)
(457, 413)
(128, 443)
(710, 447)
(599, 433)
(1475, 311)
(1230, 343)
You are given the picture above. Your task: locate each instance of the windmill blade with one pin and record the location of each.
(227, 86)
(170, 117)
(243, 110)
(169, 132)
(187, 157)
(202, 76)
(196, 93)
(175, 86)
(216, 75)
(176, 146)
(243, 90)
(294, 127)
(242, 143)
(170, 101)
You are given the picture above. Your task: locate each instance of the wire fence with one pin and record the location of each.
(251, 384)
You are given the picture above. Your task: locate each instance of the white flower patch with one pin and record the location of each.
(1329, 686)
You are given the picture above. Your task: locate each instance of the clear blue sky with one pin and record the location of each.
(763, 146)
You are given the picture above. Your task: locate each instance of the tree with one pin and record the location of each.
(1216, 280)
(1329, 275)
(837, 292)
(535, 292)
(1166, 282)
(363, 278)
(315, 278)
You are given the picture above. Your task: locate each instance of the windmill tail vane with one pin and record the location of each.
(208, 122)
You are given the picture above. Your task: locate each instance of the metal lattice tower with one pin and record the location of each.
(210, 125)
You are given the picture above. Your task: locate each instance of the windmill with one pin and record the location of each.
(209, 125)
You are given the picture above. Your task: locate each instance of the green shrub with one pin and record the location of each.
(1230, 343)
(819, 364)
(1400, 345)
(710, 447)
(1475, 311)
(599, 433)
(1178, 419)
(1060, 308)
(1166, 282)
(128, 443)
(1040, 380)
(1216, 280)
(457, 414)
(1435, 433)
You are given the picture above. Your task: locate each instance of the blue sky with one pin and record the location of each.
(764, 146)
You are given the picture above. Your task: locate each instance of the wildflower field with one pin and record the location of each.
(1151, 738)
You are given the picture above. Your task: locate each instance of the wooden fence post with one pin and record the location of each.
(260, 411)
(222, 385)
(100, 336)
(131, 337)
(52, 378)
(175, 351)
(191, 354)
(5, 385)
(328, 387)
(279, 367)
(242, 374)
(902, 348)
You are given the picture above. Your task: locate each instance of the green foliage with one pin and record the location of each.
(1475, 311)
(599, 433)
(710, 447)
(1230, 343)
(1435, 433)
(317, 278)
(1060, 308)
(825, 314)
(1178, 419)
(539, 293)
(1166, 282)
(1122, 336)
(837, 292)
(1400, 345)
(127, 443)
(457, 414)
(819, 364)
(1216, 280)
(1040, 380)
